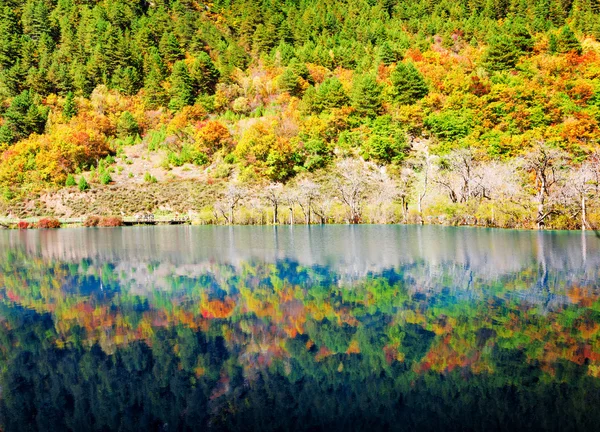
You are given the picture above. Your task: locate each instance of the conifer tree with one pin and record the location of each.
(169, 47)
(153, 62)
(9, 37)
(182, 88)
(154, 93)
(331, 94)
(289, 82)
(502, 54)
(386, 55)
(127, 80)
(13, 79)
(83, 184)
(70, 181)
(22, 118)
(567, 41)
(520, 35)
(366, 96)
(70, 108)
(204, 74)
(127, 125)
(408, 85)
(300, 69)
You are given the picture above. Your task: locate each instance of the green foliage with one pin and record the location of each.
(187, 154)
(182, 87)
(502, 54)
(105, 177)
(567, 41)
(83, 184)
(70, 181)
(69, 108)
(317, 154)
(366, 96)
(23, 117)
(330, 94)
(449, 125)
(408, 85)
(149, 178)
(387, 55)
(127, 125)
(387, 141)
(203, 74)
(289, 82)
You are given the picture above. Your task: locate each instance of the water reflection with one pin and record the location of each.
(249, 328)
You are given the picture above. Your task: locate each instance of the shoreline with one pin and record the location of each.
(66, 223)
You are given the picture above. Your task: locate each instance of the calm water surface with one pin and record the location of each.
(304, 328)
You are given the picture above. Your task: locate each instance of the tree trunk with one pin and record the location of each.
(583, 213)
(541, 201)
(275, 214)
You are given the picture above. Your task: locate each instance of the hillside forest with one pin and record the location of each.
(467, 112)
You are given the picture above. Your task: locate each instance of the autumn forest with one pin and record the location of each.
(465, 112)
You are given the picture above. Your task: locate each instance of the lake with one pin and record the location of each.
(299, 328)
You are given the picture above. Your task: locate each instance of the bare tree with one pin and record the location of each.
(496, 181)
(229, 202)
(385, 192)
(322, 207)
(423, 162)
(290, 198)
(352, 184)
(274, 194)
(545, 163)
(582, 181)
(308, 192)
(458, 175)
(405, 186)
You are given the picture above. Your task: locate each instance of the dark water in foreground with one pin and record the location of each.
(320, 328)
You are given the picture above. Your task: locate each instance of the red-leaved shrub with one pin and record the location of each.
(111, 221)
(23, 225)
(48, 223)
(92, 221)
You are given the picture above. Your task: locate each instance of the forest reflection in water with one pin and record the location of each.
(262, 328)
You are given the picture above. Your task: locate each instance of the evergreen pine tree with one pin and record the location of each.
(552, 43)
(502, 54)
(289, 82)
(169, 47)
(70, 181)
(300, 69)
(331, 94)
(80, 80)
(154, 93)
(69, 108)
(127, 80)
(22, 118)
(567, 41)
(83, 184)
(9, 37)
(520, 35)
(204, 74)
(386, 54)
(366, 96)
(127, 125)
(182, 89)
(408, 85)
(13, 80)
